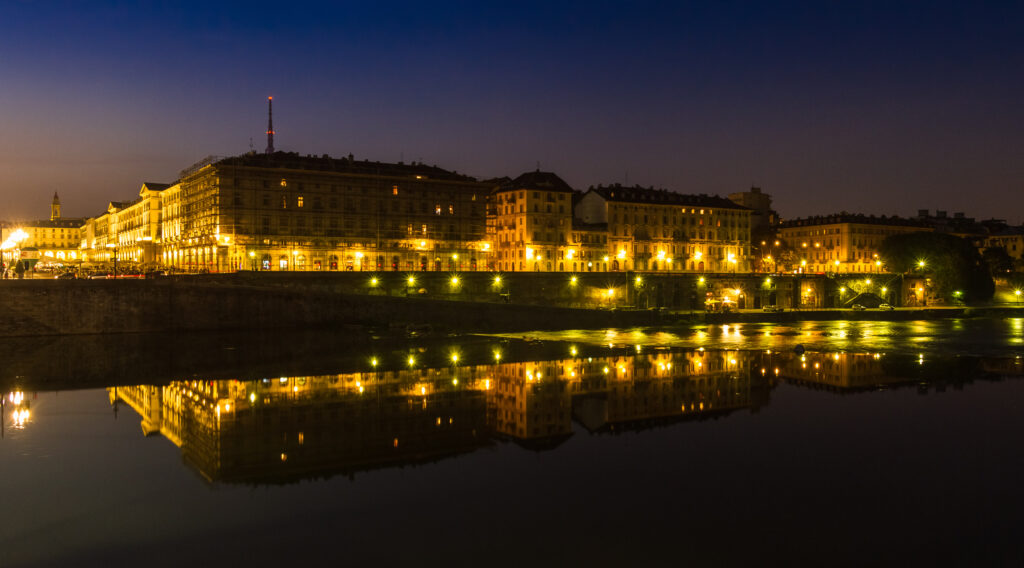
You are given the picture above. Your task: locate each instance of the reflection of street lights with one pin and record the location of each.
(252, 260)
(1017, 293)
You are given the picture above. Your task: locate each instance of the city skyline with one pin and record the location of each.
(826, 109)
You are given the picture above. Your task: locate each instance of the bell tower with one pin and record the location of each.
(55, 208)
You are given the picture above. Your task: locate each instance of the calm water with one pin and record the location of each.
(881, 443)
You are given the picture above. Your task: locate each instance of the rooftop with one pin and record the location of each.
(537, 180)
(857, 218)
(325, 163)
(637, 194)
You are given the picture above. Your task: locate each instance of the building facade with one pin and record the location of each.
(658, 230)
(283, 211)
(843, 242)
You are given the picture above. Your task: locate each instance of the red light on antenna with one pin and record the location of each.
(270, 98)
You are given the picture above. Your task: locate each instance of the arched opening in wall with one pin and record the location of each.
(394, 262)
(472, 263)
(574, 267)
(536, 267)
(615, 265)
(300, 262)
(423, 263)
(265, 262)
(700, 266)
(437, 264)
(451, 265)
(561, 267)
(350, 263)
(654, 265)
(380, 263)
(317, 265)
(334, 262)
(282, 262)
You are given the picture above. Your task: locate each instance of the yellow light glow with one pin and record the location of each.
(497, 280)
(570, 254)
(373, 281)
(411, 360)
(411, 280)
(529, 253)
(639, 280)
(455, 280)
(621, 254)
(572, 280)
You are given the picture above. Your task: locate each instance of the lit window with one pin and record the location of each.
(299, 202)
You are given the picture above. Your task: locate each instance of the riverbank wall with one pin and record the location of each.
(478, 302)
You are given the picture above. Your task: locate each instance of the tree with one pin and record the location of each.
(952, 263)
(998, 260)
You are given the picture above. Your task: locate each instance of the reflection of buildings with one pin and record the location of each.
(294, 427)
(844, 371)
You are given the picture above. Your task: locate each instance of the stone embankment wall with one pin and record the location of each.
(59, 307)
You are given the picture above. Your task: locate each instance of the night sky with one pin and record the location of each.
(879, 108)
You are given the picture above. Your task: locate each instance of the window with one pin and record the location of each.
(299, 201)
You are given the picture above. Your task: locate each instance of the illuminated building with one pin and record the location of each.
(659, 230)
(843, 242)
(532, 223)
(129, 231)
(283, 211)
(56, 240)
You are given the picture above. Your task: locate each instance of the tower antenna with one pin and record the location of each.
(270, 125)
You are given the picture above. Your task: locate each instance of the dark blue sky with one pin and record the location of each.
(874, 107)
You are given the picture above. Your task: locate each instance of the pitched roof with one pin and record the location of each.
(538, 180)
(856, 218)
(637, 194)
(325, 163)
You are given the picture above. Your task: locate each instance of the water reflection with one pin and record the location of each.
(282, 429)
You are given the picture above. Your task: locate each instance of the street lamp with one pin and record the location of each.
(114, 247)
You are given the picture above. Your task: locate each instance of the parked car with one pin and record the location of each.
(66, 276)
(772, 309)
(886, 307)
(858, 308)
